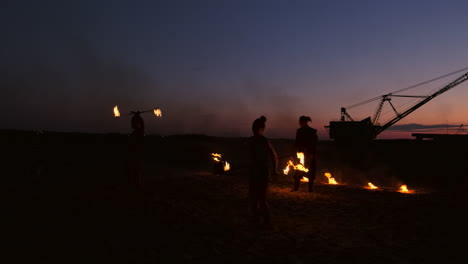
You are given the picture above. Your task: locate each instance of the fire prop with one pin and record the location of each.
(297, 167)
(331, 180)
(221, 166)
(157, 112)
(137, 123)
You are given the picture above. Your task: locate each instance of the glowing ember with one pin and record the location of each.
(331, 180)
(371, 186)
(116, 111)
(404, 189)
(157, 112)
(304, 179)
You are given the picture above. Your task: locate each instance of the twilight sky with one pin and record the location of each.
(215, 66)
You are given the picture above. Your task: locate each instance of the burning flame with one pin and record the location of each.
(157, 112)
(331, 180)
(299, 166)
(371, 186)
(404, 189)
(217, 158)
(227, 166)
(300, 156)
(116, 111)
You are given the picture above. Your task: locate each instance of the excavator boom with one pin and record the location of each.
(449, 86)
(347, 129)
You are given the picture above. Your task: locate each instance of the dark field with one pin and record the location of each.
(67, 201)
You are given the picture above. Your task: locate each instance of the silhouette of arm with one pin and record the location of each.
(274, 157)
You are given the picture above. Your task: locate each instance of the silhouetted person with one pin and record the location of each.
(306, 142)
(136, 152)
(262, 153)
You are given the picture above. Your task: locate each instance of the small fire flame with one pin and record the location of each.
(404, 189)
(296, 167)
(157, 112)
(331, 180)
(217, 158)
(300, 156)
(227, 166)
(299, 166)
(371, 186)
(116, 111)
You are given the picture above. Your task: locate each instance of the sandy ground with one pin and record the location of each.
(75, 208)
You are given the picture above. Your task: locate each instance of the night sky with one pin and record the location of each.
(215, 66)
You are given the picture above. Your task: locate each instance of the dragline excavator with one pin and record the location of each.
(348, 129)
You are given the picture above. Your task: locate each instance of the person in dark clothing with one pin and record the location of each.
(262, 153)
(306, 142)
(135, 152)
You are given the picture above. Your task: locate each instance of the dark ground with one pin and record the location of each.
(67, 200)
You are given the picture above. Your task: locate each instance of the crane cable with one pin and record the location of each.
(431, 92)
(409, 87)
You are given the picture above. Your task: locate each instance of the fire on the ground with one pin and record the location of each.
(331, 180)
(371, 186)
(404, 189)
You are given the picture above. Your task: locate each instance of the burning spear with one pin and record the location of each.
(157, 112)
(136, 145)
(136, 121)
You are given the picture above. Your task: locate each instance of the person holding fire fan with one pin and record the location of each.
(306, 142)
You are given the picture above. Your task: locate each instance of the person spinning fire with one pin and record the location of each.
(136, 151)
(262, 153)
(306, 142)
